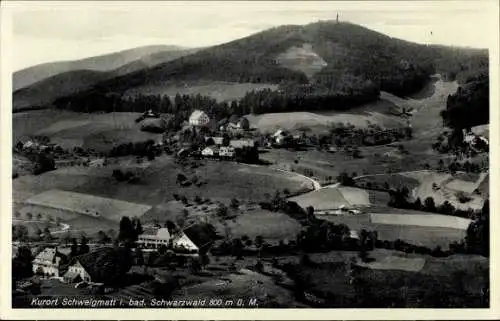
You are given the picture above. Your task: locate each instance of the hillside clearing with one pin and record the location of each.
(85, 204)
(221, 180)
(446, 192)
(417, 229)
(270, 225)
(373, 113)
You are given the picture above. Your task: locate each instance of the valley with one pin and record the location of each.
(238, 191)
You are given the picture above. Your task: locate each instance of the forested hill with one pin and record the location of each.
(352, 59)
(469, 106)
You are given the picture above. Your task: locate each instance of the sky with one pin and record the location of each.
(45, 32)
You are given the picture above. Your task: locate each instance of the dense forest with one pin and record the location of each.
(360, 63)
(469, 106)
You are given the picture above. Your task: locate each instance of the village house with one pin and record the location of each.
(226, 152)
(199, 118)
(240, 143)
(49, 262)
(179, 242)
(210, 151)
(162, 237)
(280, 137)
(237, 124)
(472, 139)
(93, 267)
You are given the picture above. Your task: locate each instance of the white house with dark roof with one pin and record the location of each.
(179, 242)
(226, 152)
(199, 118)
(240, 143)
(210, 151)
(162, 237)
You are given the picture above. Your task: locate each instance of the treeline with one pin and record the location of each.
(307, 98)
(142, 149)
(399, 199)
(263, 101)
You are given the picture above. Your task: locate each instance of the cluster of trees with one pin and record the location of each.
(348, 134)
(400, 199)
(43, 162)
(306, 97)
(126, 176)
(346, 179)
(22, 266)
(79, 249)
(469, 106)
(21, 233)
(129, 230)
(143, 149)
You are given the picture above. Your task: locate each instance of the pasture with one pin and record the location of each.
(446, 192)
(272, 226)
(85, 204)
(222, 181)
(99, 131)
(333, 197)
(320, 121)
(429, 230)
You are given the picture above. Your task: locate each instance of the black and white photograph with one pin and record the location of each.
(248, 155)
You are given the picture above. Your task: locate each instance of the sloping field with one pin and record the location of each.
(396, 263)
(270, 225)
(223, 181)
(378, 112)
(323, 199)
(427, 230)
(333, 197)
(85, 204)
(428, 178)
(97, 131)
(219, 90)
(355, 196)
(465, 185)
(426, 220)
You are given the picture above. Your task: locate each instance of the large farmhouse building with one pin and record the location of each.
(179, 242)
(101, 266)
(48, 262)
(162, 237)
(199, 118)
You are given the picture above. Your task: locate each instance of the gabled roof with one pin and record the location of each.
(161, 234)
(197, 114)
(104, 264)
(49, 255)
(234, 119)
(202, 235)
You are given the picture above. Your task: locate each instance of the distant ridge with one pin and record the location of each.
(28, 76)
(65, 78)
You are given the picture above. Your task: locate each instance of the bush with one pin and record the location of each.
(462, 197)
